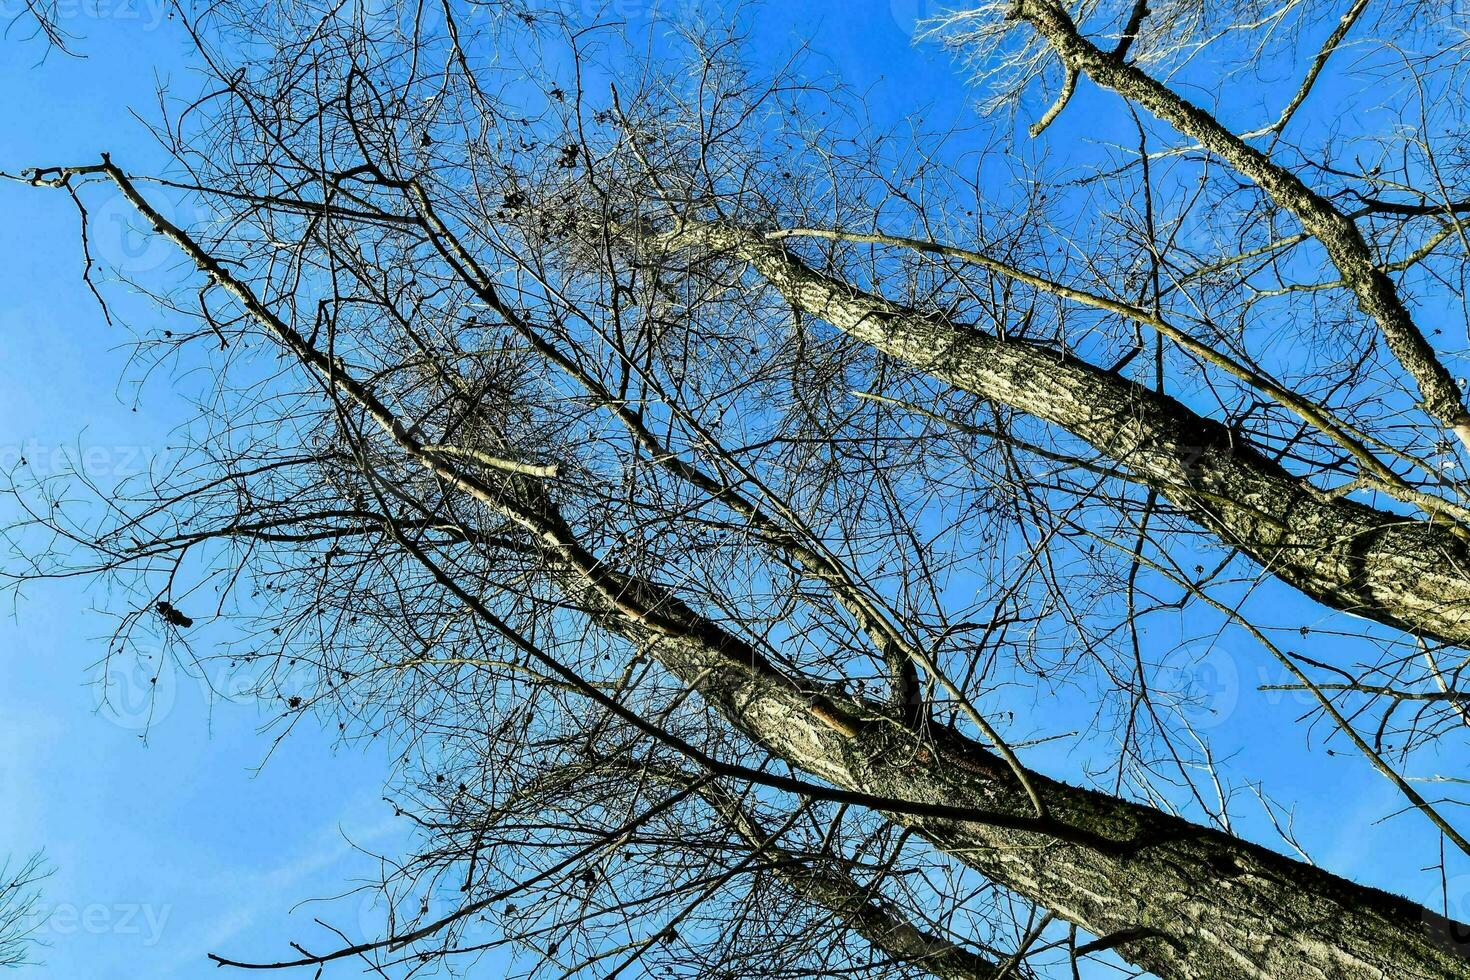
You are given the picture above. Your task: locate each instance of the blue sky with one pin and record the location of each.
(182, 843)
(191, 840)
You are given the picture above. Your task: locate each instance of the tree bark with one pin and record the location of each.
(823, 882)
(1338, 233)
(1183, 902)
(1406, 573)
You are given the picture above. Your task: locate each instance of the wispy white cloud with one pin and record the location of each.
(248, 896)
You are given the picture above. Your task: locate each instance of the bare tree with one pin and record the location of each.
(706, 494)
(39, 21)
(18, 897)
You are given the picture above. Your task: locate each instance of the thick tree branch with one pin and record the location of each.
(1338, 233)
(821, 880)
(1405, 573)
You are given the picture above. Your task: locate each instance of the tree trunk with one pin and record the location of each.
(1182, 901)
(1337, 232)
(1406, 573)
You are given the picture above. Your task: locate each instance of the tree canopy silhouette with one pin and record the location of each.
(727, 507)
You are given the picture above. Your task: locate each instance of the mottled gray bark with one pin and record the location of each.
(1338, 233)
(1182, 901)
(1407, 573)
(826, 884)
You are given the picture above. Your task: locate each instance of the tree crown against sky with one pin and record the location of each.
(750, 524)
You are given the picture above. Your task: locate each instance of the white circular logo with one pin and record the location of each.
(1450, 928)
(911, 15)
(1199, 682)
(124, 242)
(373, 918)
(135, 692)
